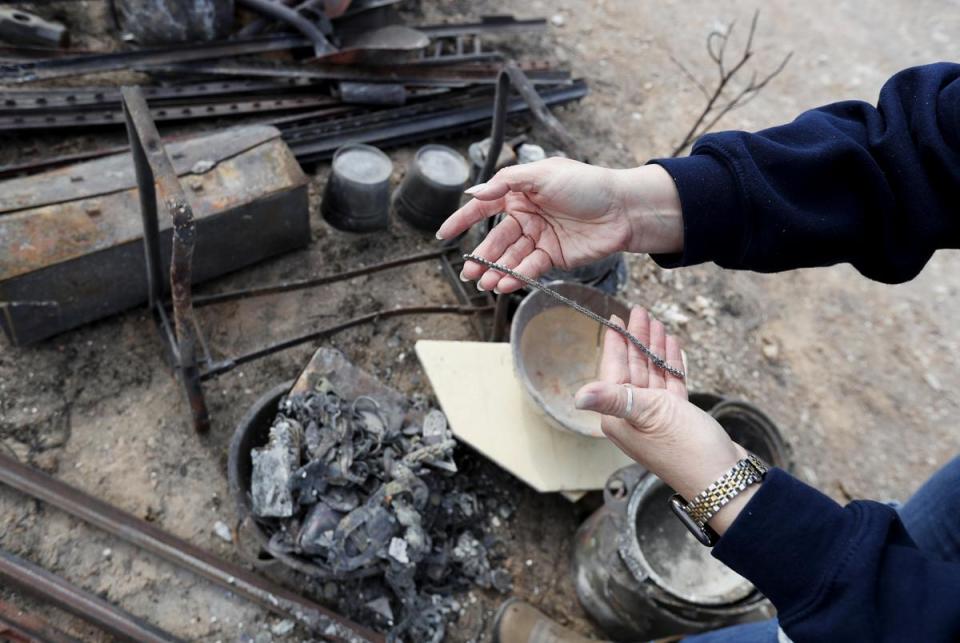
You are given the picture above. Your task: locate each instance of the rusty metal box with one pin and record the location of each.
(71, 240)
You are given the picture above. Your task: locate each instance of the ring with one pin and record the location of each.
(629, 408)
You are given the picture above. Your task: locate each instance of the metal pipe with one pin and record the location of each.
(181, 553)
(330, 330)
(51, 588)
(280, 11)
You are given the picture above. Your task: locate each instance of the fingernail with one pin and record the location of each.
(439, 236)
(476, 188)
(480, 288)
(585, 400)
(496, 291)
(462, 277)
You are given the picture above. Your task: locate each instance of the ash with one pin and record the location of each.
(382, 522)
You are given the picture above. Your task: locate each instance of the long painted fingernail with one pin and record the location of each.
(476, 188)
(463, 277)
(585, 400)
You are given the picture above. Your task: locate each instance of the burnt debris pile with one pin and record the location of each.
(375, 509)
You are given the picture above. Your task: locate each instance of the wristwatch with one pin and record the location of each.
(696, 513)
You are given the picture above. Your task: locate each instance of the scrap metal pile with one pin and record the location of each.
(362, 76)
(375, 507)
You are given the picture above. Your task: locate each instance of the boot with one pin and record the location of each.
(520, 622)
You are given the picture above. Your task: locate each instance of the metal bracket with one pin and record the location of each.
(158, 183)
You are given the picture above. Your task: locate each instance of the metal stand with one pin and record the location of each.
(186, 347)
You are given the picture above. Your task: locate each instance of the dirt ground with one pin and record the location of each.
(861, 377)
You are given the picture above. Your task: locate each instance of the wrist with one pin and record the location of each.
(702, 477)
(649, 200)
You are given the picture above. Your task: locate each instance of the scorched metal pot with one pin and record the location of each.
(641, 575)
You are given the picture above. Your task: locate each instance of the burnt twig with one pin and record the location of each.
(718, 105)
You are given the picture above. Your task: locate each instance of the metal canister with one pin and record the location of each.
(432, 187)
(357, 195)
(640, 574)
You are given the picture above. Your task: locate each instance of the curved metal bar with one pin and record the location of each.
(279, 11)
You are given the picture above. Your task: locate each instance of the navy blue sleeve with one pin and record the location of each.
(878, 187)
(840, 573)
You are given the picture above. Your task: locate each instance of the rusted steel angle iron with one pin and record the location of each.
(181, 553)
(311, 148)
(158, 183)
(21, 627)
(26, 72)
(488, 24)
(53, 589)
(443, 75)
(59, 119)
(16, 100)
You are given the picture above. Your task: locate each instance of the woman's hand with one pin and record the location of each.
(563, 214)
(646, 413)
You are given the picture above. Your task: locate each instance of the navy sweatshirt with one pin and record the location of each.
(878, 187)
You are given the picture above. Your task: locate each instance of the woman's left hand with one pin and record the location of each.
(646, 413)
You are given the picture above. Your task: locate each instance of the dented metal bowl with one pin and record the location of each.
(556, 350)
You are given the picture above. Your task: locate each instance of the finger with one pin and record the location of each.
(500, 238)
(516, 178)
(533, 265)
(674, 357)
(626, 402)
(475, 210)
(658, 346)
(613, 357)
(639, 327)
(510, 258)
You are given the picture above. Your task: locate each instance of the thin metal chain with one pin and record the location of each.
(655, 359)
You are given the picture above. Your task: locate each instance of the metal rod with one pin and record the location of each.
(655, 359)
(51, 588)
(272, 289)
(181, 553)
(330, 330)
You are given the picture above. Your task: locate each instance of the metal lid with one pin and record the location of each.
(443, 165)
(362, 164)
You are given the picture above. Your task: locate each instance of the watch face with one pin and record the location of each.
(707, 536)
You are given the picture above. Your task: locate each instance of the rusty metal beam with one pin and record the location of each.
(158, 182)
(21, 627)
(181, 553)
(50, 588)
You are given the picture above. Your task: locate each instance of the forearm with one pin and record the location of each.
(840, 573)
(848, 182)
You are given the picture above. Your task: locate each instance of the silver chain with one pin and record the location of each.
(655, 359)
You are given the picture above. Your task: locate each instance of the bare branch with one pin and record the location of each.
(686, 72)
(717, 105)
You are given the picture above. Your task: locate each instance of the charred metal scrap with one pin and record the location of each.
(374, 508)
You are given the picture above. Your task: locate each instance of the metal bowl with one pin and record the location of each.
(556, 350)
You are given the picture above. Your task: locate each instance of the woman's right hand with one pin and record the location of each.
(563, 214)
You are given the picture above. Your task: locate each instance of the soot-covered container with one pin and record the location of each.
(357, 196)
(432, 189)
(638, 571)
